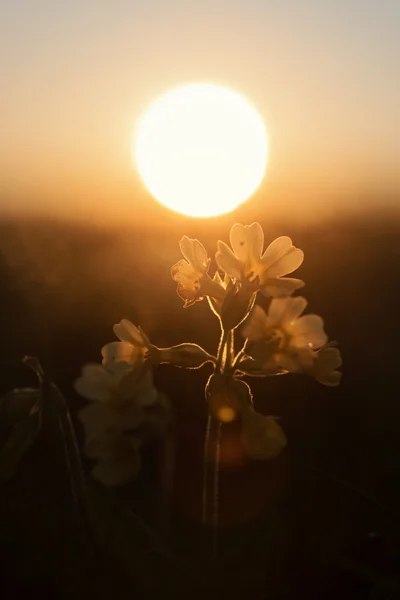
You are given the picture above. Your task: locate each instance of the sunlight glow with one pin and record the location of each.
(201, 149)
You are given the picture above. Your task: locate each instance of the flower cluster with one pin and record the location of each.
(126, 409)
(278, 341)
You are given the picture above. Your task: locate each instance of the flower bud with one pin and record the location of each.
(189, 356)
(237, 305)
(226, 397)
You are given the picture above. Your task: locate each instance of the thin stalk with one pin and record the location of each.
(222, 351)
(205, 471)
(215, 515)
(230, 349)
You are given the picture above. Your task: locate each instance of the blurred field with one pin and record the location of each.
(335, 493)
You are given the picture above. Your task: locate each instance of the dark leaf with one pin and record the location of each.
(20, 422)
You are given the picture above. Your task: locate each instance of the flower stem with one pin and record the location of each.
(215, 516)
(222, 350)
(205, 471)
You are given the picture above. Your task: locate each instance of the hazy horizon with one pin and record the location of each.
(323, 75)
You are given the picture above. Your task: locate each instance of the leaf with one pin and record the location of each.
(17, 404)
(20, 423)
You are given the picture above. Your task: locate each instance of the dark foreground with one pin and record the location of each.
(322, 521)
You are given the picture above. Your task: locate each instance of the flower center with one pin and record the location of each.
(280, 338)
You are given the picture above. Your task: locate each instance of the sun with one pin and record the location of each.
(201, 149)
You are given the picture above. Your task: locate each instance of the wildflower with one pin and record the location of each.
(117, 396)
(283, 337)
(118, 458)
(265, 271)
(191, 274)
(325, 366)
(131, 348)
(262, 437)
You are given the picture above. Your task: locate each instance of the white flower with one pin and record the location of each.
(283, 336)
(262, 437)
(191, 273)
(118, 458)
(118, 397)
(131, 348)
(325, 366)
(266, 271)
(103, 385)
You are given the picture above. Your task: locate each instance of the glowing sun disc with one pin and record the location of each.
(201, 149)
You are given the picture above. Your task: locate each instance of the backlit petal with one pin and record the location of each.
(276, 250)
(308, 331)
(227, 261)
(183, 273)
(286, 310)
(256, 324)
(287, 263)
(325, 365)
(95, 383)
(127, 332)
(262, 437)
(281, 287)
(115, 352)
(247, 242)
(195, 253)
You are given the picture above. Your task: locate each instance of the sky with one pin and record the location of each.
(77, 75)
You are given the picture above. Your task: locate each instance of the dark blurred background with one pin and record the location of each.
(320, 521)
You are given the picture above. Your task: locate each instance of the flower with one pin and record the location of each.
(283, 337)
(265, 271)
(118, 458)
(125, 410)
(262, 437)
(325, 366)
(191, 274)
(118, 397)
(131, 348)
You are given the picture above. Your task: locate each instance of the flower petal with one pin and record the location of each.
(325, 365)
(146, 393)
(308, 331)
(298, 360)
(247, 242)
(120, 466)
(276, 250)
(256, 324)
(329, 358)
(331, 379)
(116, 352)
(127, 332)
(286, 310)
(281, 287)
(262, 437)
(95, 383)
(286, 264)
(195, 254)
(183, 273)
(227, 261)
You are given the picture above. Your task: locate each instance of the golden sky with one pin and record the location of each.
(76, 76)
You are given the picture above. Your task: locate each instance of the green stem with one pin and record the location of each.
(221, 355)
